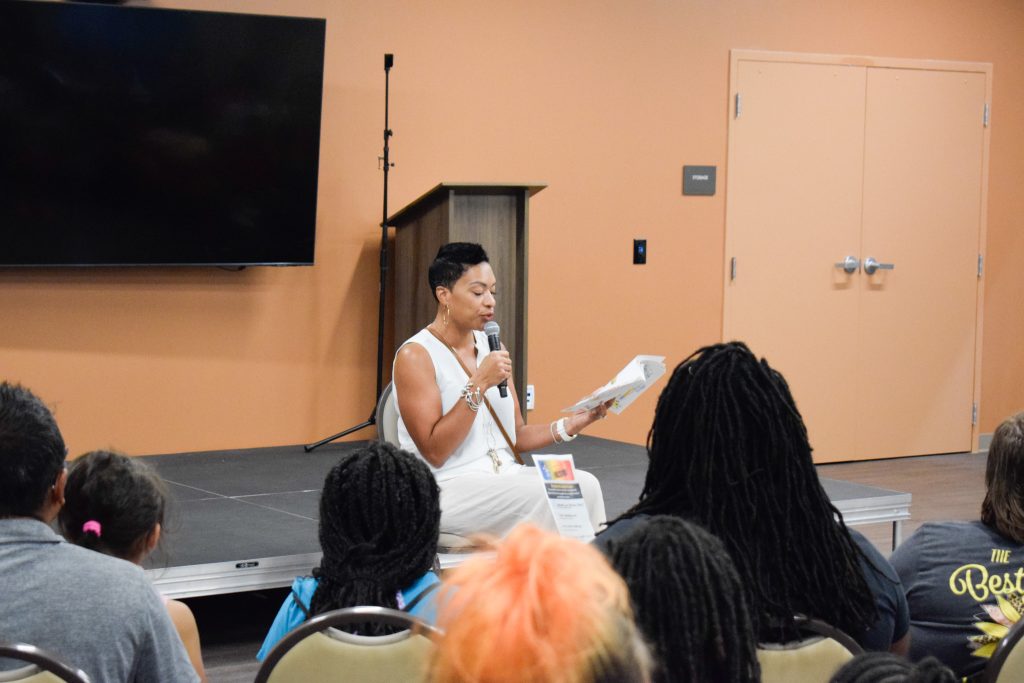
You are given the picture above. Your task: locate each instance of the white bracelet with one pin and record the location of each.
(560, 426)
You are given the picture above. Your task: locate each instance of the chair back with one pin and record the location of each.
(814, 659)
(316, 652)
(387, 416)
(41, 666)
(1007, 662)
(454, 548)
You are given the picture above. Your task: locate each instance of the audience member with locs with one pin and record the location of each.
(452, 415)
(542, 609)
(963, 579)
(689, 602)
(96, 612)
(379, 520)
(728, 449)
(115, 505)
(886, 667)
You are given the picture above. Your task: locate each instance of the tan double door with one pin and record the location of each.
(833, 158)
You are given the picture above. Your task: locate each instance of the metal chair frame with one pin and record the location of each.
(386, 398)
(828, 631)
(1002, 653)
(44, 660)
(344, 617)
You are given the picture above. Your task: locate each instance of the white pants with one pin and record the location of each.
(492, 504)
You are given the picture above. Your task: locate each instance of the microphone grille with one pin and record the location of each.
(491, 327)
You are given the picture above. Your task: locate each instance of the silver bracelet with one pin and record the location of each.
(474, 399)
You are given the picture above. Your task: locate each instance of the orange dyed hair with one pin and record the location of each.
(543, 609)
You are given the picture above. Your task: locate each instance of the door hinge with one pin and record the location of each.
(981, 264)
(732, 268)
(985, 115)
(739, 105)
(974, 413)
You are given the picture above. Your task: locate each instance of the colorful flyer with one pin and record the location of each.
(558, 473)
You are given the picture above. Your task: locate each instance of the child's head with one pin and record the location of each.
(544, 609)
(113, 504)
(885, 667)
(379, 521)
(689, 601)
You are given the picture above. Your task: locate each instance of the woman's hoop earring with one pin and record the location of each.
(444, 318)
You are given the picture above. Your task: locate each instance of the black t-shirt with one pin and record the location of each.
(964, 585)
(893, 617)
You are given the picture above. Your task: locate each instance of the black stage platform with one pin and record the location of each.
(247, 520)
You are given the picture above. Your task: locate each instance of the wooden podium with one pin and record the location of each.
(494, 216)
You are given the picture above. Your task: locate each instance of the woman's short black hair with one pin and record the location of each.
(452, 260)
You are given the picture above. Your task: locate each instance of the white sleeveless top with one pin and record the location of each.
(471, 454)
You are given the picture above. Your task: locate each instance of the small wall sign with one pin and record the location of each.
(699, 180)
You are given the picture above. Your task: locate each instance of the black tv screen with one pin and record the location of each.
(145, 136)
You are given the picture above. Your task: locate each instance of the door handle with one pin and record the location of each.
(871, 265)
(850, 264)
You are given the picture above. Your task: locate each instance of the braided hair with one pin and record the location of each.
(728, 449)
(689, 602)
(885, 667)
(112, 503)
(379, 521)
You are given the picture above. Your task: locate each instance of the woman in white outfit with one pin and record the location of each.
(452, 415)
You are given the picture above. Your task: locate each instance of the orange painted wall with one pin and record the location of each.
(604, 101)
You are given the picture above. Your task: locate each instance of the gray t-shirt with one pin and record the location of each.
(94, 612)
(955, 574)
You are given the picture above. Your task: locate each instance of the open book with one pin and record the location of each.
(633, 380)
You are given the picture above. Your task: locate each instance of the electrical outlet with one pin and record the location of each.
(529, 397)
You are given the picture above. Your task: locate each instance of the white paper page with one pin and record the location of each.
(653, 367)
(638, 375)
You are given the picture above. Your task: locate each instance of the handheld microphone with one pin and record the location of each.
(493, 332)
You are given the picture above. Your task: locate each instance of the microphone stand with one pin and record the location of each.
(389, 61)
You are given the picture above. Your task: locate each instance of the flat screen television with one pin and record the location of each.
(147, 136)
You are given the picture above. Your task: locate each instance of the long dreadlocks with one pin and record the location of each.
(688, 601)
(379, 522)
(729, 450)
(885, 667)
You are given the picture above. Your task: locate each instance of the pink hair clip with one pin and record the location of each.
(93, 526)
